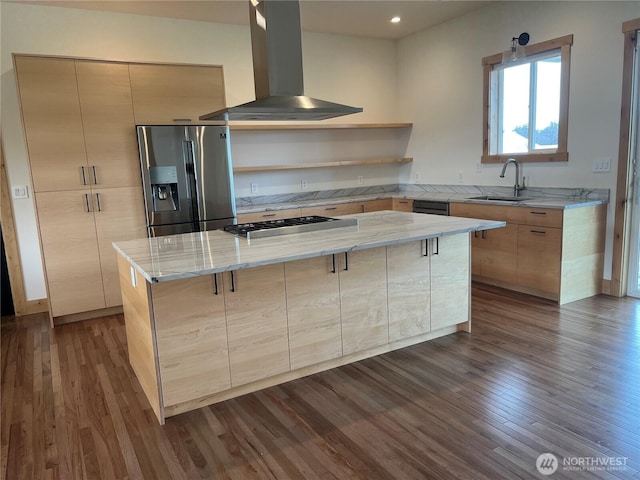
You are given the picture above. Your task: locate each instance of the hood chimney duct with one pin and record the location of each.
(276, 44)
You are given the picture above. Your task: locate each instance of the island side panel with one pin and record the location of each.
(141, 341)
(192, 338)
(583, 237)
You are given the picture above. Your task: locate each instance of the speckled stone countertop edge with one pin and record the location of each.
(539, 202)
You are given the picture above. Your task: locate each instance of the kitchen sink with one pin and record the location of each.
(500, 198)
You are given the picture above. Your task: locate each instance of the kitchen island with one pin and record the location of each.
(210, 316)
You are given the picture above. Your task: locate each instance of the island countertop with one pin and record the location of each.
(174, 257)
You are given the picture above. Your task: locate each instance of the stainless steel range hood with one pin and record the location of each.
(276, 44)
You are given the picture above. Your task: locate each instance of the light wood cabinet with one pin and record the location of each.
(402, 205)
(70, 248)
(255, 305)
(53, 123)
(539, 257)
(363, 299)
(553, 253)
(495, 253)
(77, 230)
(191, 335)
(197, 341)
(450, 280)
(269, 215)
(409, 290)
(175, 93)
(80, 128)
(313, 306)
(107, 119)
(119, 216)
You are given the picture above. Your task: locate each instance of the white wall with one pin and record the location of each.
(338, 68)
(440, 85)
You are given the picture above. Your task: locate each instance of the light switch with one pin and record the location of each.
(20, 191)
(601, 165)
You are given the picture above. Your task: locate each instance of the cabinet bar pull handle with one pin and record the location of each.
(333, 261)
(98, 202)
(181, 119)
(233, 282)
(95, 175)
(436, 250)
(269, 215)
(331, 208)
(215, 284)
(84, 178)
(475, 234)
(539, 232)
(484, 234)
(346, 261)
(403, 202)
(538, 213)
(86, 202)
(426, 247)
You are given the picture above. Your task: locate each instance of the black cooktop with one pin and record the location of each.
(285, 226)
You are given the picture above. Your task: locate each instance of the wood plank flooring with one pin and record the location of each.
(531, 378)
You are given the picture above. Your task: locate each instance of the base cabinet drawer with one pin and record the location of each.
(268, 215)
(402, 205)
(332, 210)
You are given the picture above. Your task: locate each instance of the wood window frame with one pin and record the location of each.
(561, 154)
(622, 215)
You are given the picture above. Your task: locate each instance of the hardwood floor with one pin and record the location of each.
(532, 377)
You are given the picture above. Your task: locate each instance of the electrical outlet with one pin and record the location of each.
(460, 176)
(478, 167)
(416, 176)
(360, 179)
(304, 184)
(254, 188)
(20, 191)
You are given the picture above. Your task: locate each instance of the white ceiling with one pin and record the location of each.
(369, 18)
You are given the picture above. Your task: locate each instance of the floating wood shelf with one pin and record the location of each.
(345, 163)
(314, 126)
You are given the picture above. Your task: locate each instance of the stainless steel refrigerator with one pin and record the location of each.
(187, 178)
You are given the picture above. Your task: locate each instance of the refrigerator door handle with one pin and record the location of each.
(188, 165)
(192, 181)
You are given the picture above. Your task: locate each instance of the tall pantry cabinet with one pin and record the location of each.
(79, 125)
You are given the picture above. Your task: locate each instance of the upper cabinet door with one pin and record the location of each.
(175, 93)
(53, 123)
(109, 127)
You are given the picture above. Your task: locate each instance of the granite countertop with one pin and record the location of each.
(173, 257)
(530, 200)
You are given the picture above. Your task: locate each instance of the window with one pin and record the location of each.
(526, 103)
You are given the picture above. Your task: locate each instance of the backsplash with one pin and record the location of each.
(317, 195)
(550, 192)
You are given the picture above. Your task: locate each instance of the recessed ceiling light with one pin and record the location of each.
(395, 20)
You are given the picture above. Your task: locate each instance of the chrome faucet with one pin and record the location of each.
(516, 187)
